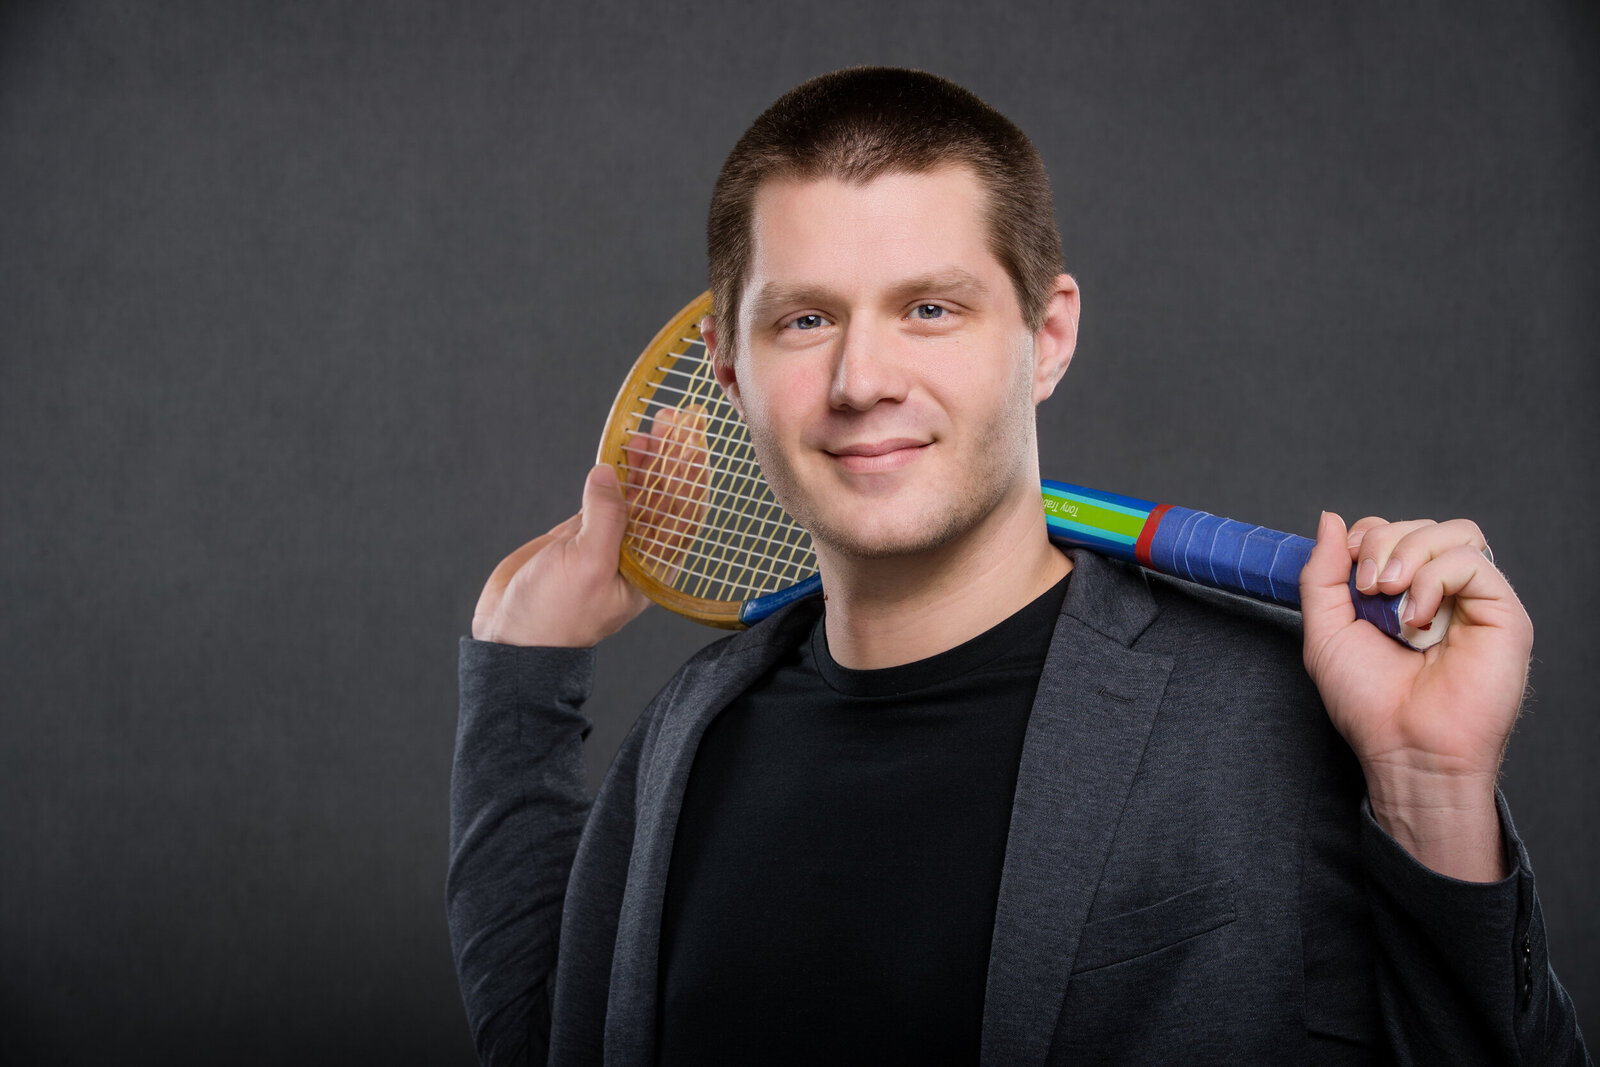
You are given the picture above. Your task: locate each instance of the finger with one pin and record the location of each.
(604, 517)
(1359, 528)
(643, 451)
(677, 456)
(650, 483)
(652, 449)
(1325, 605)
(1372, 558)
(1440, 577)
(1358, 531)
(676, 439)
(1399, 549)
(689, 472)
(686, 476)
(1463, 572)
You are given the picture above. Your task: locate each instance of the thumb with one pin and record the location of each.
(605, 512)
(1325, 606)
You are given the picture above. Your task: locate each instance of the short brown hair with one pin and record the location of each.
(859, 123)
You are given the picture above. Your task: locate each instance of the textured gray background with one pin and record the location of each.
(309, 312)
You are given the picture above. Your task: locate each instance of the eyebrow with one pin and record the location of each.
(775, 295)
(953, 281)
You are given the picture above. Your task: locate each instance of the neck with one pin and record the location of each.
(886, 612)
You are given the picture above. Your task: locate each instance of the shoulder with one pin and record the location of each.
(1230, 612)
(1157, 614)
(1194, 620)
(1238, 656)
(1228, 662)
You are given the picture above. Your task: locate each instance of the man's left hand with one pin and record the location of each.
(1429, 728)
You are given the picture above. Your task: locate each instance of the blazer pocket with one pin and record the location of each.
(1130, 935)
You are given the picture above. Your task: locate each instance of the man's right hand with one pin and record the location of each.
(563, 589)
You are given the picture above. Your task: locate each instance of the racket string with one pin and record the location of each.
(740, 522)
(733, 494)
(670, 558)
(749, 525)
(767, 514)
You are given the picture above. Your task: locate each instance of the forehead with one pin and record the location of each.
(862, 236)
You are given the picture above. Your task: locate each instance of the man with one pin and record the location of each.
(988, 802)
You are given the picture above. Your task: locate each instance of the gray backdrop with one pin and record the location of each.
(312, 311)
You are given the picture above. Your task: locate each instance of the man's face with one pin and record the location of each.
(883, 365)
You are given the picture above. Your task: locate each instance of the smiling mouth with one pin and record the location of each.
(878, 455)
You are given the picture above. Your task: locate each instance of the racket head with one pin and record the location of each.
(705, 535)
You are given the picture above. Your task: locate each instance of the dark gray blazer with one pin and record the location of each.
(1191, 875)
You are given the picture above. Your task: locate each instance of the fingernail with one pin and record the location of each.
(1367, 574)
(1408, 612)
(1352, 540)
(1391, 572)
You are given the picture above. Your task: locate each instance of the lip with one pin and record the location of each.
(874, 456)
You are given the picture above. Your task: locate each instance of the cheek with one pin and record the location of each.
(754, 402)
(984, 380)
(775, 402)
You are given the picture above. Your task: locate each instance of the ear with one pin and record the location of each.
(723, 369)
(1056, 339)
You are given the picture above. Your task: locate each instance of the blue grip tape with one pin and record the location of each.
(1240, 558)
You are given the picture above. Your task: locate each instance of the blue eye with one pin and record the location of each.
(809, 322)
(927, 312)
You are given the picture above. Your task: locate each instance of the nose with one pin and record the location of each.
(866, 370)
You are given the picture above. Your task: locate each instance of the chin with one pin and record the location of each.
(854, 547)
(861, 538)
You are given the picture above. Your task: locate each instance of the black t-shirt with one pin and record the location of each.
(837, 861)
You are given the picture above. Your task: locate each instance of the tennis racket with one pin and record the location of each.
(707, 539)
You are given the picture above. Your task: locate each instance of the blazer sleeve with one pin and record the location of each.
(1463, 972)
(518, 804)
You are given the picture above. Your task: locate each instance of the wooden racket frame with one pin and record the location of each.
(672, 340)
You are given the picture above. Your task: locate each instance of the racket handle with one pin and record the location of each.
(753, 611)
(1266, 564)
(1221, 553)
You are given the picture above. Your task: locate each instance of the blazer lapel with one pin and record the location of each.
(1096, 704)
(701, 691)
